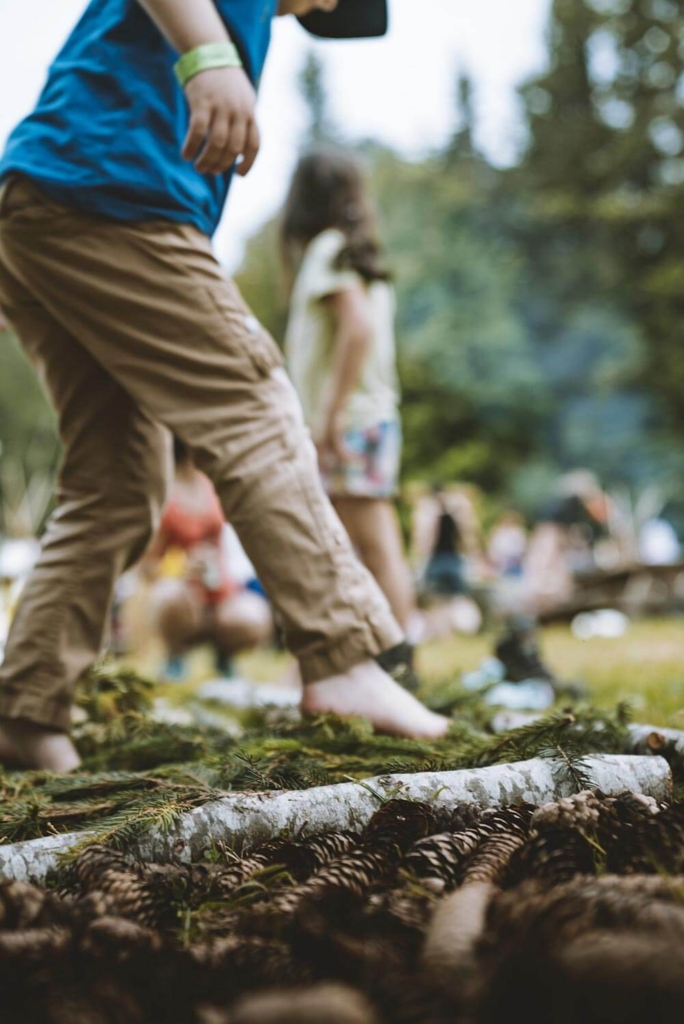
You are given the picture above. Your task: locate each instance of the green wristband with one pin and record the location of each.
(206, 58)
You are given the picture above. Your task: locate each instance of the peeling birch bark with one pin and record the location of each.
(247, 818)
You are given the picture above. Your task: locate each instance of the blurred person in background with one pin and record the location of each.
(446, 544)
(560, 549)
(507, 545)
(445, 571)
(562, 542)
(193, 598)
(341, 354)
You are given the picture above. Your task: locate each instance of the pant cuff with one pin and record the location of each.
(50, 712)
(341, 654)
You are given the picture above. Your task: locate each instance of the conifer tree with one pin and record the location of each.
(313, 91)
(606, 162)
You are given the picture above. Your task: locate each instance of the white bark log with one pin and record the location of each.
(247, 818)
(651, 739)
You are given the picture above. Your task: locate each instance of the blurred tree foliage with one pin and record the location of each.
(602, 182)
(540, 306)
(29, 448)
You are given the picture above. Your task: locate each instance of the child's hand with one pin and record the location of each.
(331, 442)
(222, 121)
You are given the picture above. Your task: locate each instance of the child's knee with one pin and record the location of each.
(244, 622)
(175, 610)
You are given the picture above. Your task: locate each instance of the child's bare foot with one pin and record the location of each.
(26, 745)
(366, 690)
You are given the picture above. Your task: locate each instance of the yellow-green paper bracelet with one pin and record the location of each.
(205, 58)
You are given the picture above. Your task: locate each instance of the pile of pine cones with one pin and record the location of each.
(565, 913)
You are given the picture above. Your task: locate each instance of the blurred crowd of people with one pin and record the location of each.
(196, 586)
(580, 531)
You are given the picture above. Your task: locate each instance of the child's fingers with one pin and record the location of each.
(218, 138)
(251, 150)
(340, 449)
(221, 104)
(200, 119)
(236, 143)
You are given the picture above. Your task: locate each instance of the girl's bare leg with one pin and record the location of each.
(373, 529)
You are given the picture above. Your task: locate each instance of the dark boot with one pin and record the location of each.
(398, 663)
(519, 651)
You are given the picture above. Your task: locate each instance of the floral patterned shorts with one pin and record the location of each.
(371, 468)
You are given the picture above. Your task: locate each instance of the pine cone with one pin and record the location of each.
(353, 873)
(399, 823)
(581, 811)
(593, 976)
(300, 859)
(34, 945)
(558, 915)
(126, 895)
(321, 1004)
(504, 819)
(250, 962)
(89, 867)
(328, 846)
(118, 939)
(25, 906)
(442, 856)
(645, 842)
(490, 861)
(403, 911)
(554, 856)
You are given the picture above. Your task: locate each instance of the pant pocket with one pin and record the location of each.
(244, 329)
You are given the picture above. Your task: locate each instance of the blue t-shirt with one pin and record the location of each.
(107, 132)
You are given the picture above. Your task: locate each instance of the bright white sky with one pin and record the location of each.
(399, 90)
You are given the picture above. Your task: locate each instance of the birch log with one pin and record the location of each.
(247, 818)
(651, 739)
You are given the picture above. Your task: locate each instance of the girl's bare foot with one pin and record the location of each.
(367, 691)
(24, 744)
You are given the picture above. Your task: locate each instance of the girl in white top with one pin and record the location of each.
(341, 355)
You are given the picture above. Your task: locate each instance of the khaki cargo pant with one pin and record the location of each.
(132, 328)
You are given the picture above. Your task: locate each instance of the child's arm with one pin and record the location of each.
(353, 337)
(148, 565)
(222, 101)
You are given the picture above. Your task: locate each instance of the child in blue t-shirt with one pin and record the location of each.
(109, 193)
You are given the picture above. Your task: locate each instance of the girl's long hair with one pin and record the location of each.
(329, 190)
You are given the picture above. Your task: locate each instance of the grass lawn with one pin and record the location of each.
(645, 667)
